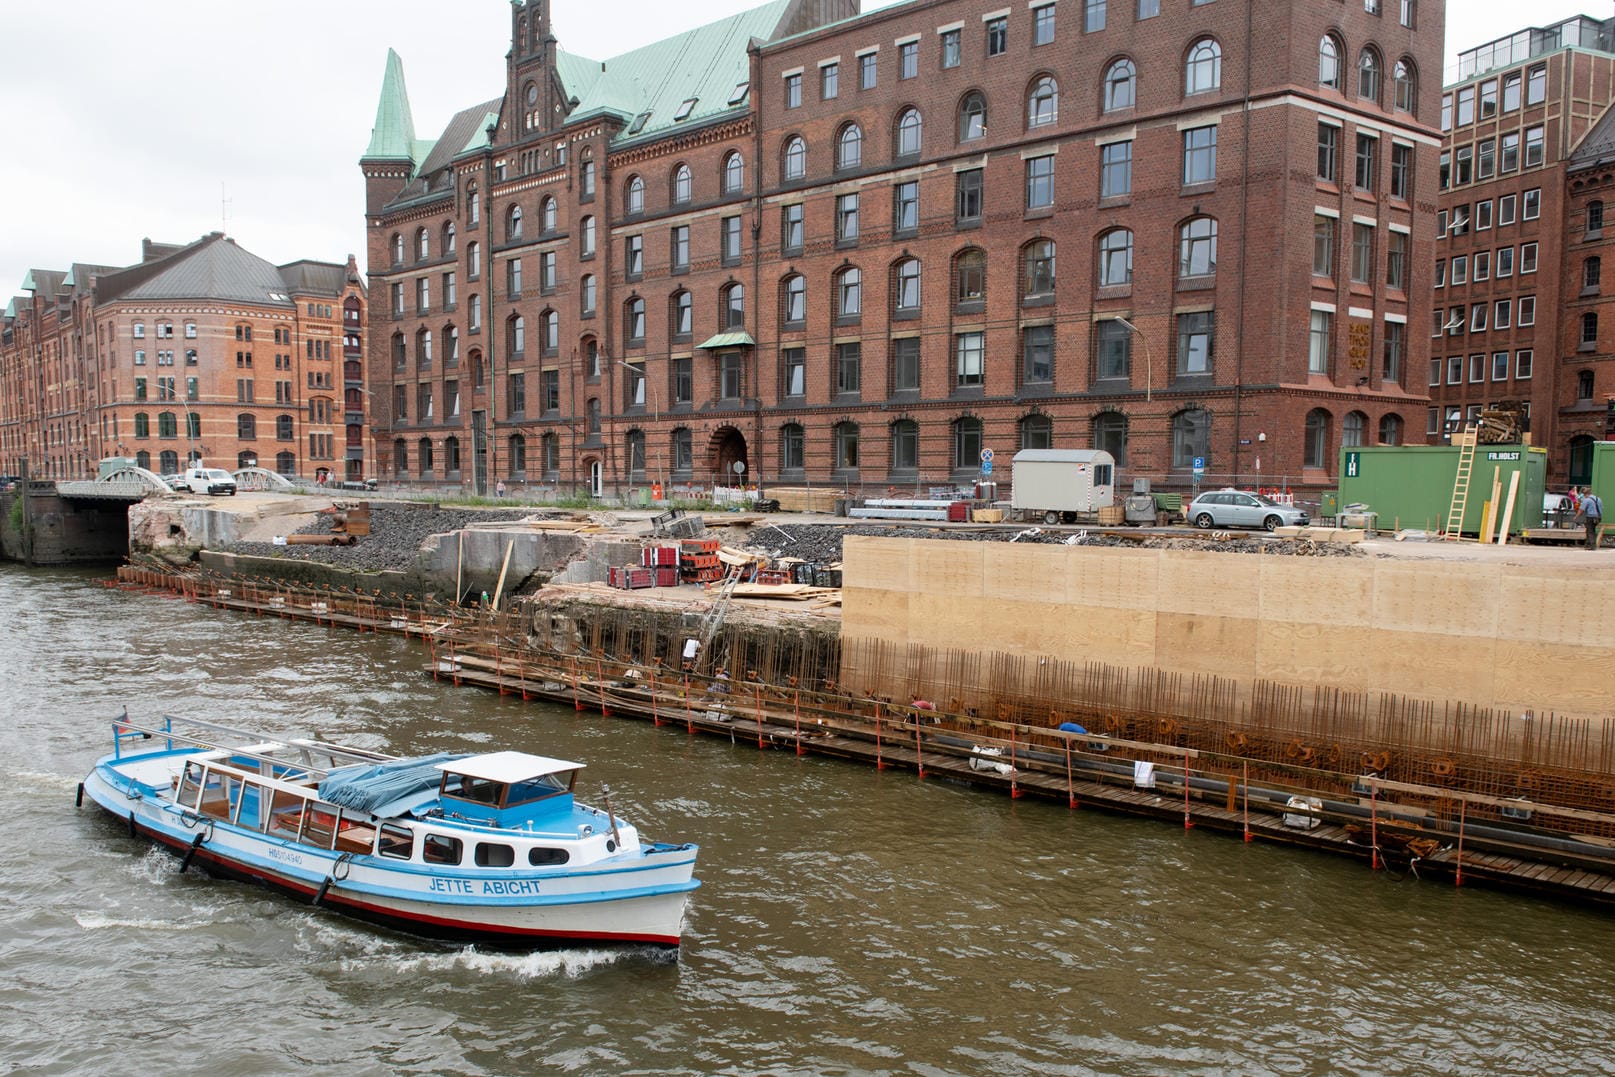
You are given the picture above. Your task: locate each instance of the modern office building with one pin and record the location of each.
(861, 250)
(1525, 172)
(201, 351)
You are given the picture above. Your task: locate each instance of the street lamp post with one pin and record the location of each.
(1149, 362)
(656, 416)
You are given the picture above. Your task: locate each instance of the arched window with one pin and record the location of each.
(967, 443)
(682, 309)
(473, 259)
(1121, 85)
(586, 294)
(634, 319)
(1354, 429)
(142, 425)
(733, 303)
(473, 314)
(551, 462)
(791, 444)
(423, 244)
(451, 346)
(1039, 266)
(516, 456)
(286, 464)
(586, 240)
(908, 133)
(1581, 460)
(451, 454)
(849, 293)
(551, 321)
(586, 179)
(906, 286)
(1203, 72)
(1191, 437)
(400, 456)
(513, 223)
(734, 173)
(1592, 270)
(795, 157)
(1197, 248)
(850, 147)
(283, 428)
(793, 299)
(423, 347)
(1329, 62)
(636, 195)
(398, 249)
(844, 446)
(1315, 445)
(681, 185)
(1368, 75)
(400, 351)
(515, 336)
(1116, 258)
(972, 117)
(169, 462)
(1043, 103)
(1390, 430)
(1110, 435)
(905, 435)
(1406, 86)
(448, 238)
(1037, 432)
(970, 279)
(549, 215)
(423, 457)
(166, 425)
(143, 459)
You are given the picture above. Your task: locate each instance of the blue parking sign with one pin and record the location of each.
(1199, 465)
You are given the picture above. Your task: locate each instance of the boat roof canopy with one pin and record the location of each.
(508, 767)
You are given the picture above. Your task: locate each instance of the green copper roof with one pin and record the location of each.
(393, 135)
(11, 308)
(479, 139)
(28, 284)
(705, 64)
(734, 339)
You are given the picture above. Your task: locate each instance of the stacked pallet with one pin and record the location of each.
(805, 499)
(629, 577)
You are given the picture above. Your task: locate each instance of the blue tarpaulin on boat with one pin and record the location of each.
(369, 788)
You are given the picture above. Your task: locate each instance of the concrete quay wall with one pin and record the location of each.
(1506, 635)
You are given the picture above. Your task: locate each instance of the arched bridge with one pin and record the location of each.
(134, 483)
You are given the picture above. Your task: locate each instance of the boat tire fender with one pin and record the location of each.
(343, 865)
(189, 819)
(196, 843)
(78, 798)
(132, 832)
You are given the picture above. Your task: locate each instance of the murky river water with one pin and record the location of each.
(851, 922)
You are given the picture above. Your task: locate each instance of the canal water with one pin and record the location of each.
(850, 922)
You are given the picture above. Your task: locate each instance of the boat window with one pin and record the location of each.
(493, 855)
(319, 827)
(542, 857)
(397, 841)
(190, 785)
(441, 849)
(477, 790)
(538, 788)
(285, 814)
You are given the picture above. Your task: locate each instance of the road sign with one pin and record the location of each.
(987, 466)
(986, 456)
(1354, 464)
(1200, 465)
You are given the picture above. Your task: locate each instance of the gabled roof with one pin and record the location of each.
(705, 64)
(211, 268)
(466, 131)
(43, 282)
(1597, 146)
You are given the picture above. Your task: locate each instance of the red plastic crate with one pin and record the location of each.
(667, 576)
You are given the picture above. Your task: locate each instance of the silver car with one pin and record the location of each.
(1239, 508)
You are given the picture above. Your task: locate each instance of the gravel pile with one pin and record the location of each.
(396, 535)
(822, 544)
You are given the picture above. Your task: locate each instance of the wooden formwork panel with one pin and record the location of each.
(1194, 643)
(876, 565)
(1437, 598)
(1574, 678)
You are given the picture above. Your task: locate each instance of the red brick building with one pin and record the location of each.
(1525, 172)
(199, 351)
(861, 249)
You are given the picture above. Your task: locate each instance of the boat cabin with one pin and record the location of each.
(507, 788)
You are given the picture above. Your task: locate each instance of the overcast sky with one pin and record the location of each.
(172, 118)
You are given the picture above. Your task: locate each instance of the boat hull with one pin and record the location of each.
(637, 903)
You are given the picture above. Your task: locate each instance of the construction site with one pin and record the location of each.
(1416, 705)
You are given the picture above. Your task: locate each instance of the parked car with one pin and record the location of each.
(1556, 510)
(1239, 508)
(208, 480)
(175, 481)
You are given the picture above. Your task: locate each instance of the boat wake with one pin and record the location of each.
(545, 965)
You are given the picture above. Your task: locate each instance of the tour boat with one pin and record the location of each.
(488, 848)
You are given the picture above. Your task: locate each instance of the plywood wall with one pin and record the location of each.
(1511, 636)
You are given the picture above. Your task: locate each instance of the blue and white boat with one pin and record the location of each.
(488, 848)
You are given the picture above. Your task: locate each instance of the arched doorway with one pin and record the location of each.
(597, 477)
(1581, 460)
(726, 448)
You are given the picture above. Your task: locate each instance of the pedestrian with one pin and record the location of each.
(499, 488)
(1592, 514)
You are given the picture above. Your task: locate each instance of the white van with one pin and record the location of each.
(208, 480)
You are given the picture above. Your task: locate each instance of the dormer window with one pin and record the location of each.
(685, 109)
(741, 90)
(639, 122)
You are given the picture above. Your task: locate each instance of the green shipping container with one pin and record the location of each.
(1410, 486)
(1603, 471)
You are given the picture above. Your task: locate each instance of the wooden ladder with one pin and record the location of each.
(1460, 486)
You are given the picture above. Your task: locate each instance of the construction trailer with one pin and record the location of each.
(1411, 486)
(1064, 485)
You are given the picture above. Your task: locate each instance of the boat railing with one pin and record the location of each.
(293, 759)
